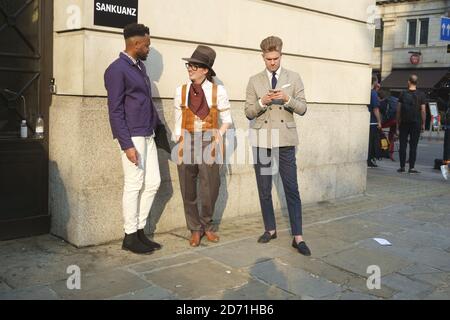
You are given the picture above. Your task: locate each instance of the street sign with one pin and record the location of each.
(445, 29)
(115, 13)
(415, 59)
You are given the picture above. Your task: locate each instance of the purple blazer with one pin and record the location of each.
(131, 109)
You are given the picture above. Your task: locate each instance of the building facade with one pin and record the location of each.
(85, 174)
(409, 41)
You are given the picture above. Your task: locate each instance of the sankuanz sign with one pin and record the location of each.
(115, 13)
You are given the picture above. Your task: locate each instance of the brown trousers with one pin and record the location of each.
(209, 183)
(208, 178)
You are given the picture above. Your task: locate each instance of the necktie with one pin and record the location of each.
(274, 80)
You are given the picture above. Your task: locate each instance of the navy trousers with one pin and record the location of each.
(411, 130)
(267, 163)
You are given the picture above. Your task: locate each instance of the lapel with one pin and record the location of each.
(264, 81)
(282, 80)
(266, 84)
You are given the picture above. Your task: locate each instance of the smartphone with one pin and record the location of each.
(274, 90)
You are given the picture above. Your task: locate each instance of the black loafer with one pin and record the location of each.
(266, 237)
(301, 247)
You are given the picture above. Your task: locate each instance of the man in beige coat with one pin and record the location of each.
(273, 96)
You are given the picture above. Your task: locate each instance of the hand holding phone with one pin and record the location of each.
(277, 96)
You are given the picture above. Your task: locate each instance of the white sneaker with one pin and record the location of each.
(444, 170)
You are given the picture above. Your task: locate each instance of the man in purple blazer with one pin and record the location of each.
(133, 120)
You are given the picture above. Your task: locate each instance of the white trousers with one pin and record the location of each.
(140, 184)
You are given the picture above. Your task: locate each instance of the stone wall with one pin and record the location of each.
(85, 169)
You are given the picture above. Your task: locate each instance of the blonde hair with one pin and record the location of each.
(271, 43)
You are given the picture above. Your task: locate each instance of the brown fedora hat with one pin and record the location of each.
(203, 55)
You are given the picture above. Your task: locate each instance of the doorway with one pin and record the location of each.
(26, 50)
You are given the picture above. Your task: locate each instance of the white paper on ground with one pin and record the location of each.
(383, 242)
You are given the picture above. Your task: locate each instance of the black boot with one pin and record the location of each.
(143, 238)
(132, 243)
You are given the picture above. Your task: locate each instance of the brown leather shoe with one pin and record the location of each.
(211, 236)
(195, 238)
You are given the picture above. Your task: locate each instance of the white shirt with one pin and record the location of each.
(223, 105)
(270, 75)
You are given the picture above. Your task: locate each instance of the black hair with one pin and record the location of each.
(209, 76)
(135, 29)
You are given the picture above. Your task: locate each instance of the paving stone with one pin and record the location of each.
(101, 286)
(352, 229)
(434, 228)
(33, 293)
(440, 294)
(245, 253)
(418, 269)
(331, 273)
(198, 279)
(407, 288)
(424, 216)
(4, 287)
(424, 239)
(293, 280)
(406, 296)
(164, 262)
(399, 247)
(392, 216)
(149, 293)
(351, 295)
(254, 290)
(433, 257)
(430, 256)
(357, 260)
(45, 259)
(438, 280)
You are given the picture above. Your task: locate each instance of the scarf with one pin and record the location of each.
(197, 101)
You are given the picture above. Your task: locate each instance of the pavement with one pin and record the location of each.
(412, 212)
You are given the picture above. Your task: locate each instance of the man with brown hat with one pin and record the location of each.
(199, 105)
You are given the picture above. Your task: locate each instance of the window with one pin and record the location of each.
(417, 31)
(379, 34)
(412, 32)
(423, 36)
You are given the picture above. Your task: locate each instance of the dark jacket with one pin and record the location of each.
(131, 109)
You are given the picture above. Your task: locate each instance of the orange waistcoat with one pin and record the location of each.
(188, 119)
(211, 122)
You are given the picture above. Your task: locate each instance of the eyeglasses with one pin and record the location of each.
(194, 67)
